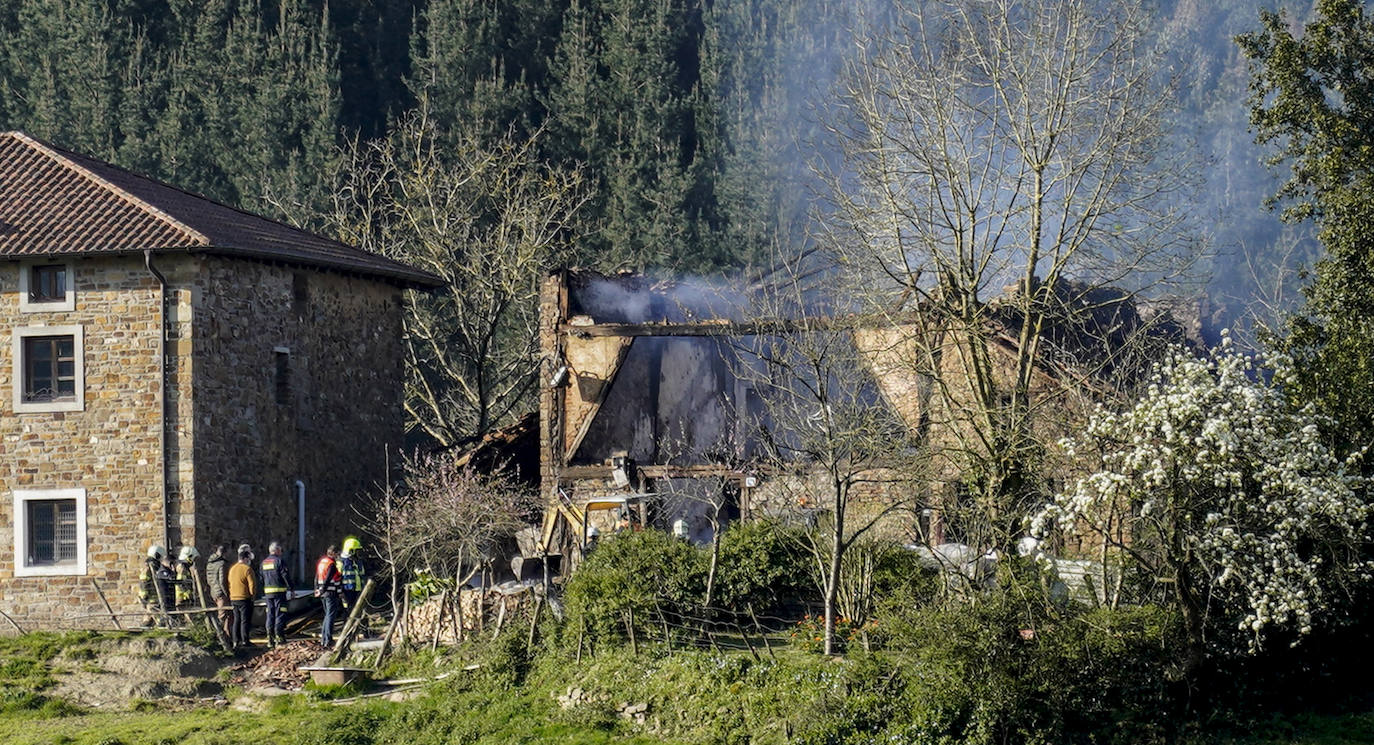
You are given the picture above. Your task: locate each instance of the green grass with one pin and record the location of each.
(700, 696)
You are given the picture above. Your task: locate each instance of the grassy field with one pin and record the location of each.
(704, 697)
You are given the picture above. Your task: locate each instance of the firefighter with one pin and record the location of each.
(153, 586)
(186, 577)
(276, 584)
(353, 570)
(328, 583)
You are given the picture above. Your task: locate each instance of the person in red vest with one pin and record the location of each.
(328, 584)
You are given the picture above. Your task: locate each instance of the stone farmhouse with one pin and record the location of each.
(179, 373)
(645, 390)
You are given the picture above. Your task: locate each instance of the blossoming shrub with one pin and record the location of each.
(1219, 489)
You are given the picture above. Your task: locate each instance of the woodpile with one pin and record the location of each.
(480, 612)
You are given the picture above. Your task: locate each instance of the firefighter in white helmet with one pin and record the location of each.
(155, 585)
(186, 577)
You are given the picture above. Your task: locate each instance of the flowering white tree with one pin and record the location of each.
(1222, 488)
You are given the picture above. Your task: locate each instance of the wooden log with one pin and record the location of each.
(214, 624)
(386, 641)
(439, 621)
(500, 618)
(747, 643)
(108, 609)
(762, 634)
(355, 619)
(13, 622)
(534, 621)
(405, 615)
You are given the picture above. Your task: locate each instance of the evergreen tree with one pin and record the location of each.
(1312, 94)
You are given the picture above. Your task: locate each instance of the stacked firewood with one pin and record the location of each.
(479, 612)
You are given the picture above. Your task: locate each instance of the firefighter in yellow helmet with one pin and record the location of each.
(352, 569)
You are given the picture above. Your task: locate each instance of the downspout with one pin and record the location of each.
(161, 390)
(300, 529)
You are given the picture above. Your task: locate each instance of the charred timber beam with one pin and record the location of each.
(578, 473)
(715, 328)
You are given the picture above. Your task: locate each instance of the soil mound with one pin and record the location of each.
(124, 671)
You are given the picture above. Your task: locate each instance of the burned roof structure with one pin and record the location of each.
(650, 383)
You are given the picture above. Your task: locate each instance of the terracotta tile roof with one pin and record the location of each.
(56, 202)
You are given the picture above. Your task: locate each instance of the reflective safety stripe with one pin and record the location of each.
(183, 583)
(270, 575)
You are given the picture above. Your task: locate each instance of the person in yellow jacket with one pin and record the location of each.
(186, 578)
(243, 587)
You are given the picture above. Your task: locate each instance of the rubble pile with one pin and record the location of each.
(277, 667)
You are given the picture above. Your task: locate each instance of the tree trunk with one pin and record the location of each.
(715, 559)
(832, 586)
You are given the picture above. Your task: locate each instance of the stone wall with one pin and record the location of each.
(111, 448)
(334, 424)
(237, 442)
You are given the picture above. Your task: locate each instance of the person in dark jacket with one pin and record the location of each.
(276, 583)
(328, 584)
(217, 574)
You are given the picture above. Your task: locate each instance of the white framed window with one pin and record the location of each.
(49, 532)
(48, 368)
(46, 286)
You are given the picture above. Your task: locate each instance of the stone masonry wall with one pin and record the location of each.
(339, 419)
(111, 448)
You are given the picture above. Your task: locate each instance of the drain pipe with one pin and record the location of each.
(300, 529)
(161, 390)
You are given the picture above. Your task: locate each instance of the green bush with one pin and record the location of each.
(761, 566)
(1005, 669)
(634, 575)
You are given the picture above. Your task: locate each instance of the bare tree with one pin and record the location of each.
(838, 450)
(1005, 161)
(489, 219)
(447, 520)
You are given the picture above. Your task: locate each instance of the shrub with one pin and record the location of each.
(634, 575)
(761, 566)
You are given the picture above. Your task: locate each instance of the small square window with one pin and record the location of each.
(48, 283)
(49, 369)
(49, 532)
(52, 532)
(46, 287)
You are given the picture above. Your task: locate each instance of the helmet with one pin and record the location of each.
(189, 553)
(352, 544)
(156, 552)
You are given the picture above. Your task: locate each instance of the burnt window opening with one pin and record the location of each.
(49, 369)
(282, 380)
(48, 283)
(52, 532)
